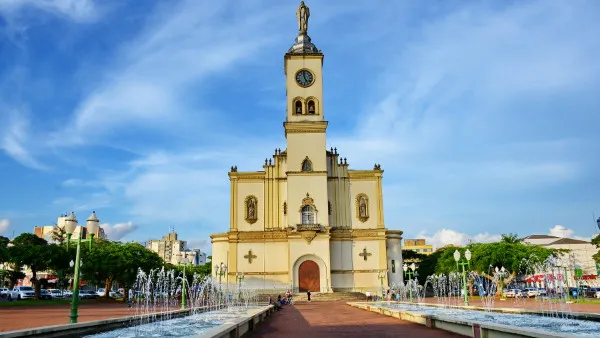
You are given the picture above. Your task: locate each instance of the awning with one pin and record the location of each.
(543, 278)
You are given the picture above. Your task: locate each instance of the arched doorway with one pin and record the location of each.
(309, 277)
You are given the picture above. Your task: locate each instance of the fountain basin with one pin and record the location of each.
(473, 323)
(104, 327)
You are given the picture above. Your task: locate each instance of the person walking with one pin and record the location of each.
(308, 294)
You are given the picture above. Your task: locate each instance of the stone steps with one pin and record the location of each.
(329, 296)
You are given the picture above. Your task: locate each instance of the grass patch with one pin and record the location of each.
(33, 302)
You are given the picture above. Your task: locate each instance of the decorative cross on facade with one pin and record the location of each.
(250, 256)
(364, 254)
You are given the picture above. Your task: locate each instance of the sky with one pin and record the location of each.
(483, 114)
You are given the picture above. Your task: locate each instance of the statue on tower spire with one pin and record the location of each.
(302, 43)
(302, 13)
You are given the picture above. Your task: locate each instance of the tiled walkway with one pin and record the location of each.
(336, 319)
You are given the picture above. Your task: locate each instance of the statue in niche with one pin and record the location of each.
(298, 107)
(251, 212)
(362, 207)
(302, 13)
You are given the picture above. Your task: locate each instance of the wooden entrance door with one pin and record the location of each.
(309, 277)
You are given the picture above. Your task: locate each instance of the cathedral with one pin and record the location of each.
(307, 221)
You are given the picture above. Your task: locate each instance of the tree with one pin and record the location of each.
(596, 242)
(28, 249)
(412, 256)
(59, 234)
(510, 238)
(110, 261)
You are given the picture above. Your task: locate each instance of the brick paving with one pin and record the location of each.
(24, 317)
(336, 319)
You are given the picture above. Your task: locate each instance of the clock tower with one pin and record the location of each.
(305, 126)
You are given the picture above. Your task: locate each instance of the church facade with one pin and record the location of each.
(307, 221)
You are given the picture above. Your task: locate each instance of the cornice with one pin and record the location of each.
(305, 127)
(248, 175)
(306, 173)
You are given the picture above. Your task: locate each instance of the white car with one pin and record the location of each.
(22, 292)
(512, 293)
(111, 294)
(4, 292)
(530, 292)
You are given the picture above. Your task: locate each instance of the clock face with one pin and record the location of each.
(304, 78)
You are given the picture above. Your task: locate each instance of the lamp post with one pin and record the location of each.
(220, 270)
(410, 273)
(92, 227)
(464, 273)
(381, 276)
(598, 222)
(182, 261)
(240, 277)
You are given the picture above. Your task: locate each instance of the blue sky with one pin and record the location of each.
(483, 114)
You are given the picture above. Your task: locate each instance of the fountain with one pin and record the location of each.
(158, 296)
(552, 314)
(168, 303)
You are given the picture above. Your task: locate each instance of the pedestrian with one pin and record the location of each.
(308, 294)
(130, 298)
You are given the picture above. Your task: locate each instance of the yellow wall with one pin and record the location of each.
(370, 189)
(245, 189)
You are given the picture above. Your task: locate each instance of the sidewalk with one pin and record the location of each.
(336, 319)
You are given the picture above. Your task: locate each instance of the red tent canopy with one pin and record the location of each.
(542, 278)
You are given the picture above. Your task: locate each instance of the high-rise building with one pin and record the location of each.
(173, 250)
(418, 245)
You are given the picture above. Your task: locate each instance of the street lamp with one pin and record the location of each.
(381, 275)
(410, 273)
(220, 270)
(598, 222)
(92, 227)
(240, 277)
(464, 273)
(182, 261)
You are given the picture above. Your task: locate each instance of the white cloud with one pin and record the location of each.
(14, 139)
(448, 236)
(4, 225)
(119, 230)
(76, 10)
(561, 231)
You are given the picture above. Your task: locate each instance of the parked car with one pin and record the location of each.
(111, 294)
(4, 292)
(542, 292)
(22, 292)
(512, 293)
(45, 294)
(530, 292)
(87, 294)
(56, 293)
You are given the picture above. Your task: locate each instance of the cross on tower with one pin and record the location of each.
(250, 256)
(364, 254)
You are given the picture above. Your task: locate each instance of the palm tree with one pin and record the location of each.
(58, 234)
(510, 238)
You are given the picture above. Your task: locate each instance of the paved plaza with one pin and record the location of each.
(336, 319)
(317, 319)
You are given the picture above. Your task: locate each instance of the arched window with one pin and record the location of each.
(298, 107)
(308, 215)
(311, 107)
(306, 165)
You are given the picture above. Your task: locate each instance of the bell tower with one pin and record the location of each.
(305, 125)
